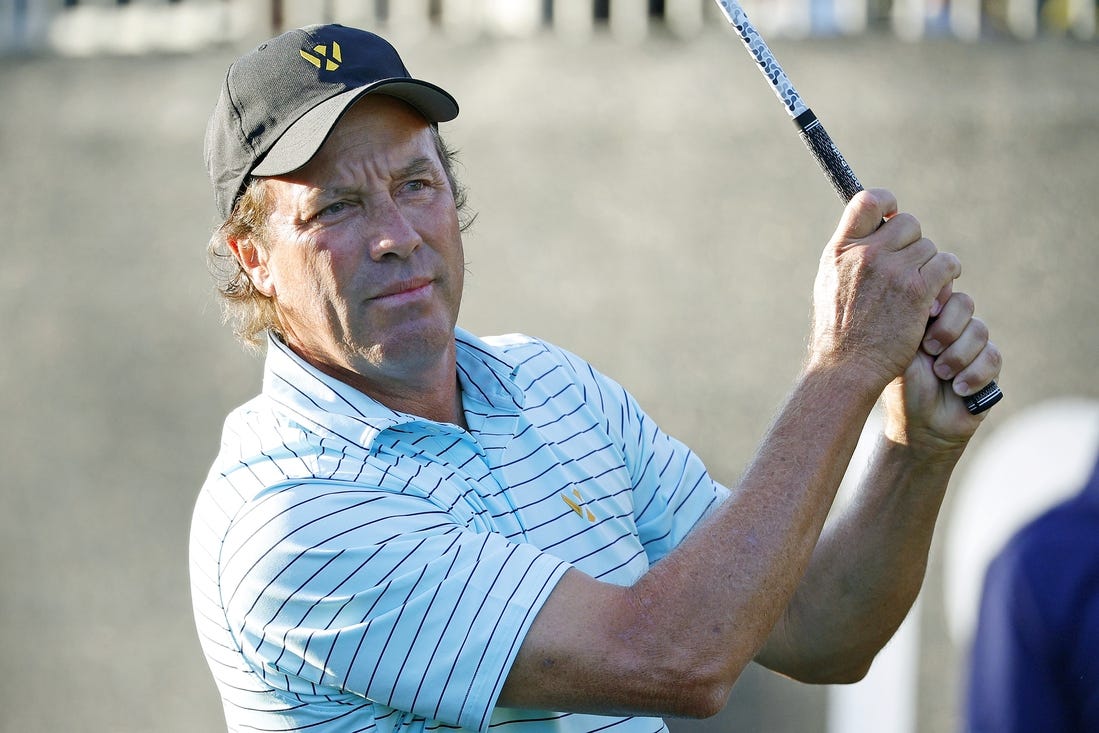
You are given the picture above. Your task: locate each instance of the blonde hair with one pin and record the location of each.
(251, 313)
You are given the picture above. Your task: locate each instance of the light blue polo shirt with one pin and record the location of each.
(358, 569)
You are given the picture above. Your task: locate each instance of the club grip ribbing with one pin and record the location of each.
(827, 155)
(843, 179)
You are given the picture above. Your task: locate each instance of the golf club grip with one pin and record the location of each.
(827, 155)
(843, 179)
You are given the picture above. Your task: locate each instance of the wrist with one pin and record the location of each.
(859, 379)
(921, 445)
(855, 366)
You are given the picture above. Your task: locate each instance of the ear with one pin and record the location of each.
(253, 258)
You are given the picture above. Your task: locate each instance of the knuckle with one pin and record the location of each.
(955, 360)
(915, 290)
(948, 329)
(995, 357)
(903, 228)
(926, 247)
(903, 217)
(867, 257)
(979, 329)
(956, 264)
(965, 301)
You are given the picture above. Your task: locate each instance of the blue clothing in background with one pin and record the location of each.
(1035, 659)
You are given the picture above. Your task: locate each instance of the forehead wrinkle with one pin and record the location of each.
(421, 165)
(418, 167)
(358, 154)
(371, 137)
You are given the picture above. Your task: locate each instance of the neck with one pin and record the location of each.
(431, 392)
(442, 403)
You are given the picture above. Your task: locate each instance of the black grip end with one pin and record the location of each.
(989, 395)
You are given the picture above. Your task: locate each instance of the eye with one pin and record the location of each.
(333, 208)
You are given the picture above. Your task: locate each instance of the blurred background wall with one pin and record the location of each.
(623, 153)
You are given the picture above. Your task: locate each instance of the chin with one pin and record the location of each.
(415, 346)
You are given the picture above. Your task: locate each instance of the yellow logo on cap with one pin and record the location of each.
(331, 63)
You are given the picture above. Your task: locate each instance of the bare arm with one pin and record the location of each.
(870, 563)
(676, 641)
(865, 573)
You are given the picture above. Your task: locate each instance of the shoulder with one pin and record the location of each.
(1053, 560)
(259, 432)
(521, 350)
(1065, 529)
(535, 359)
(263, 445)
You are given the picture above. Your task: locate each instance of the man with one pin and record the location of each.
(415, 527)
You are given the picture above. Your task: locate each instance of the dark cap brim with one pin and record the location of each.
(304, 138)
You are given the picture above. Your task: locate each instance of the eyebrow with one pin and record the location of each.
(416, 167)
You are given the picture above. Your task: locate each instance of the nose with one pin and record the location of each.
(392, 234)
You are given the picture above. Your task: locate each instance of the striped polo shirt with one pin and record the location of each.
(358, 569)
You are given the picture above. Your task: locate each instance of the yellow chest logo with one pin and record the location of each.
(578, 505)
(321, 55)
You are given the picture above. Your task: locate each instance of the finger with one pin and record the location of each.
(957, 357)
(971, 361)
(951, 322)
(864, 213)
(983, 369)
(939, 272)
(942, 299)
(902, 231)
(980, 361)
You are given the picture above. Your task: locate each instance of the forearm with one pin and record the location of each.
(735, 575)
(676, 641)
(867, 568)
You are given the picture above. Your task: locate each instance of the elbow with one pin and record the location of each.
(848, 675)
(699, 702)
(707, 702)
(703, 694)
(833, 671)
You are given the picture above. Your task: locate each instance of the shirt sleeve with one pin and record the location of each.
(380, 594)
(672, 488)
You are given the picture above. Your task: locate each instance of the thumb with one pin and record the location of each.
(865, 212)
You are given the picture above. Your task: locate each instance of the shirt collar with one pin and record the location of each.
(485, 374)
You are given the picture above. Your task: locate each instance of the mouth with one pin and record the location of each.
(404, 290)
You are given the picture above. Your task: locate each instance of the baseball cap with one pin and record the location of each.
(280, 101)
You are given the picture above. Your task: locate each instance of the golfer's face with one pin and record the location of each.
(365, 251)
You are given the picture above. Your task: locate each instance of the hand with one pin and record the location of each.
(876, 287)
(955, 359)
